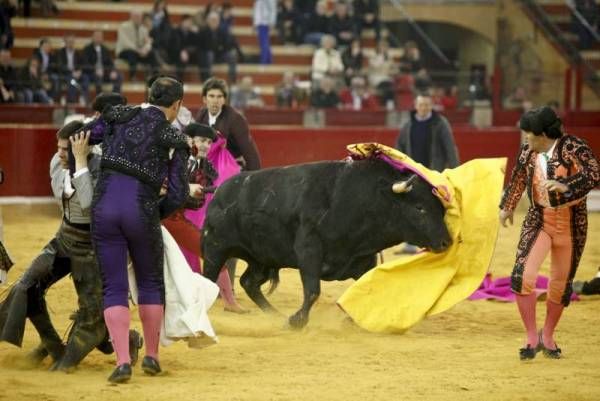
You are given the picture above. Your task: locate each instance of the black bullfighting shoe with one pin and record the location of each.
(555, 353)
(37, 355)
(135, 344)
(150, 366)
(121, 374)
(528, 352)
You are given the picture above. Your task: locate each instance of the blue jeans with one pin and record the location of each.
(265, 44)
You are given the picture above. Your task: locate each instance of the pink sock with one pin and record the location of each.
(224, 283)
(151, 317)
(526, 304)
(553, 313)
(117, 320)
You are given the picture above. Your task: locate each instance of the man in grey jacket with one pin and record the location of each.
(427, 137)
(70, 251)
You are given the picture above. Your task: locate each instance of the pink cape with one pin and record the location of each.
(499, 289)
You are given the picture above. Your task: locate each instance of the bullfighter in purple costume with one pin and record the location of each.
(140, 150)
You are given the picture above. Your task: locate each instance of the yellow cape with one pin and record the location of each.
(396, 295)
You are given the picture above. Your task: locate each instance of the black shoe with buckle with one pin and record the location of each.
(121, 374)
(150, 366)
(555, 353)
(135, 344)
(528, 352)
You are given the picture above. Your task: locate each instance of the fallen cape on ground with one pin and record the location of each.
(499, 289)
(188, 297)
(398, 294)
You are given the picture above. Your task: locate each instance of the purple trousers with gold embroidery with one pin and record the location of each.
(126, 219)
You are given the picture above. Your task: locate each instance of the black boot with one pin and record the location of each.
(38, 354)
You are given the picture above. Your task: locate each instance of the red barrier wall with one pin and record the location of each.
(25, 152)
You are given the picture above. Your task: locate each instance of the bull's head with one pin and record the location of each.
(401, 187)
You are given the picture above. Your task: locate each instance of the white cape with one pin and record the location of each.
(188, 297)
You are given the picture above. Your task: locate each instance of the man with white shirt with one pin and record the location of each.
(70, 251)
(99, 65)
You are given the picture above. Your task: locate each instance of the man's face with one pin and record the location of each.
(423, 106)
(62, 147)
(47, 47)
(70, 42)
(202, 144)
(4, 57)
(98, 38)
(213, 21)
(214, 100)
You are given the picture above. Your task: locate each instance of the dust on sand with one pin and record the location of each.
(467, 353)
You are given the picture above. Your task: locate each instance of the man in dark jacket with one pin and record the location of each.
(99, 66)
(220, 47)
(366, 14)
(70, 65)
(183, 46)
(427, 137)
(48, 66)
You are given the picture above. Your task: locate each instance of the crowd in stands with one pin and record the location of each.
(343, 73)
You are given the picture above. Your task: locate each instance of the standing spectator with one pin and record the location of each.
(218, 47)
(228, 121)
(325, 96)
(8, 9)
(366, 14)
(353, 60)
(265, 17)
(288, 94)
(590, 11)
(134, 45)
(70, 67)
(381, 71)
(342, 25)
(327, 60)
(160, 31)
(8, 78)
(318, 24)
(427, 137)
(288, 22)
(245, 95)
(184, 46)
(357, 97)
(226, 17)
(410, 62)
(47, 66)
(31, 84)
(99, 65)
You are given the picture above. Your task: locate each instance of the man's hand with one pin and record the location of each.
(553, 185)
(77, 74)
(504, 216)
(196, 190)
(80, 148)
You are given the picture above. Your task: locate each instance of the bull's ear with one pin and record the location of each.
(401, 187)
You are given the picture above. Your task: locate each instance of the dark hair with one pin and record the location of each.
(69, 129)
(108, 99)
(153, 78)
(215, 83)
(542, 121)
(203, 130)
(165, 91)
(43, 40)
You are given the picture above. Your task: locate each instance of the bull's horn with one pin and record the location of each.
(404, 186)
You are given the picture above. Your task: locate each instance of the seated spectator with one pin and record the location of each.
(353, 60)
(99, 65)
(410, 62)
(48, 66)
(517, 99)
(184, 46)
(590, 11)
(288, 94)
(325, 96)
(342, 25)
(450, 98)
(357, 97)
(31, 85)
(8, 78)
(327, 60)
(70, 63)
(134, 45)
(381, 71)
(245, 95)
(289, 22)
(317, 24)
(422, 81)
(217, 46)
(8, 10)
(366, 14)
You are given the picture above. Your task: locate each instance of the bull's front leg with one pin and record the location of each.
(311, 283)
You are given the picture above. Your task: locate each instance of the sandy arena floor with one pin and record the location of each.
(468, 353)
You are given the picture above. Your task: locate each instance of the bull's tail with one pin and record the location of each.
(273, 281)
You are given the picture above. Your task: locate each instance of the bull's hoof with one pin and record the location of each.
(298, 321)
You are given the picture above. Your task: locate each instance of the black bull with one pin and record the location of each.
(327, 219)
